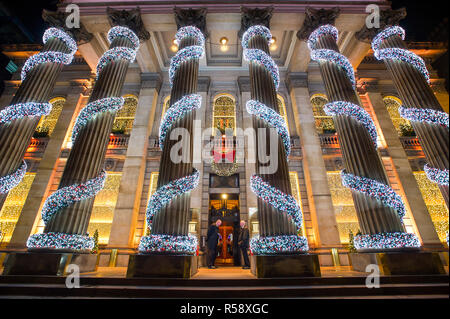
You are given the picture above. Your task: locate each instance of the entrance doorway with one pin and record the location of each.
(226, 208)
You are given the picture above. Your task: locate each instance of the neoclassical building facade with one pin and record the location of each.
(335, 120)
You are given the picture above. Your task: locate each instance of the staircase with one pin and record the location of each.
(436, 287)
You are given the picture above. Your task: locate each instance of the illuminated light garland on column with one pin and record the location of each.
(356, 112)
(60, 241)
(167, 193)
(278, 245)
(254, 31)
(262, 58)
(376, 190)
(183, 55)
(92, 109)
(398, 53)
(336, 58)
(51, 56)
(168, 243)
(120, 31)
(69, 195)
(273, 118)
(386, 241)
(276, 198)
(20, 110)
(8, 182)
(330, 55)
(435, 175)
(176, 112)
(267, 193)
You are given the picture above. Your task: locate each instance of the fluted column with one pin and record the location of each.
(365, 175)
(411, 79)
(19, 120)
(67, 212)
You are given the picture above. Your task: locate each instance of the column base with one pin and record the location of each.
(47, 263)
(399, 263)
(162, 266)
(281, 266)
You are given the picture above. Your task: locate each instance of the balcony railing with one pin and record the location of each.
(410, 143)
(329, 140)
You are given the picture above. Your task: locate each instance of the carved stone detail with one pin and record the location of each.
(58, 19)
(388, 17)
(254, 16)
(315, 18)
(128, 18)
(194, 17)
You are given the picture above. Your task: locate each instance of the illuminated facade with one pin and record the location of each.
(133, 157)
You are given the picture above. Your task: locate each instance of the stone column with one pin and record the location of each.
(131, 184)
(422, 220)
(273, 222)
(173, 218)
(410, 76)
(39, 75)
(69, 209)
(377, 220)
(41, 184)
(326, 230)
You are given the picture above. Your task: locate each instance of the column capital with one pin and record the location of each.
(244, 83)
(58, 19)
(193, 17)
(151, 81)
(388, 17)
(297, 80)
(315, 18)
(128, 18)
(254, 16)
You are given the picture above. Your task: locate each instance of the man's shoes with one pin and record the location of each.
(245, 267)
(211, 267)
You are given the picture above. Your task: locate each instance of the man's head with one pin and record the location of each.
(218, 223)
(243, 224)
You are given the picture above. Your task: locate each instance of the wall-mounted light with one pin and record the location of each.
(174, 46)
(223, 44)
(273, 44)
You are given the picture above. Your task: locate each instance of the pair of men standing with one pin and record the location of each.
(212, 240)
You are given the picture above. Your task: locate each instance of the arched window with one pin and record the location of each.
(224, 113)
(12, 208)
(324, 123)
(123, 123)
(47, 123)
(282, 109)
(435, 204)
(402, 126)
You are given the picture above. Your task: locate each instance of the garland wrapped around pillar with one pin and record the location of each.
(19, 120)
(379, 209)
(168, 208)
(66, 213)
(279, 214)
(421, 107)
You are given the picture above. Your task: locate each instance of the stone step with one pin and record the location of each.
(435, 290)
(329, 281)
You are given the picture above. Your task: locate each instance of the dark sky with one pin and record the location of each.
(424, 16)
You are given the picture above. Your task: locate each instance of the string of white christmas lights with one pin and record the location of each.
(165, 194)
(263, 190)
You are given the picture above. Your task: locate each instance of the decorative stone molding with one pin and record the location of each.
(193, 17)
(128, 18)
(58, 19)
(244, 83)
(255, 16)
(204, 83)
(388, 17)
(151, 81)
(315, 18)
(296, 80)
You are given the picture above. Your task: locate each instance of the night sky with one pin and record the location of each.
(423, 16)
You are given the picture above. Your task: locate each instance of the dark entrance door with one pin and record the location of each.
(226, 208)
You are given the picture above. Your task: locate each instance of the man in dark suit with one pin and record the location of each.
(244, 243)
(212, 239)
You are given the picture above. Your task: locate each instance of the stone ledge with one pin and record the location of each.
(279, 266)
(161, 266)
